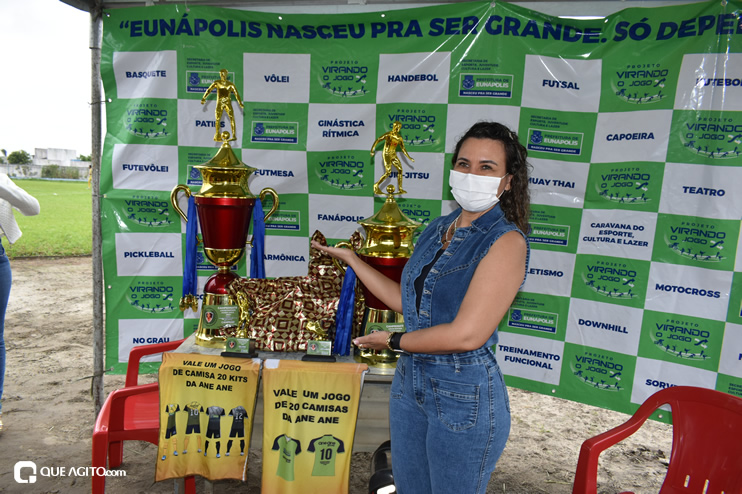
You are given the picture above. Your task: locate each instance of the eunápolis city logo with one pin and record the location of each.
(275, 132)
(544, 322)
(199, 81)
(486, 85)
(544, 233)
(550, 141)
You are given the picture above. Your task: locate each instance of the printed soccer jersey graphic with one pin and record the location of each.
(325, 449)
(194, 410)
(187, 379)
(288, 448)
(171, 429)
(213, 429)
(239, 414)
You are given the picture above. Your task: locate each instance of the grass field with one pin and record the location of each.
(63, 228)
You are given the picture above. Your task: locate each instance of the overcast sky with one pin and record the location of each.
(45, 84)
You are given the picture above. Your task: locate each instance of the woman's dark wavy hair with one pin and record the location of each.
(515, 203)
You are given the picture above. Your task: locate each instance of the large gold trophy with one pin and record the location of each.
(387, 247)
(224, 206)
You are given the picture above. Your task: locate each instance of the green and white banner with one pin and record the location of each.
(633, 124)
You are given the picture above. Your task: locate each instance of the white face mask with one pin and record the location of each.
(474, 193)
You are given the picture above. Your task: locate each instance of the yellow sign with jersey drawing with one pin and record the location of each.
(310, 411)
(207, 405)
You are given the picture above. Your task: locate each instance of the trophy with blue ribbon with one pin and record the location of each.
(224, 207)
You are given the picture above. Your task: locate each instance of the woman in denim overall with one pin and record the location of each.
(449, 408)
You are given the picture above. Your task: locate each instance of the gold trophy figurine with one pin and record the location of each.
(391, 139)
(320, 343)
(224, 88)
(320, 334)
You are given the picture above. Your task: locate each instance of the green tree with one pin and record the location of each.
(84, 157)
(19, 158)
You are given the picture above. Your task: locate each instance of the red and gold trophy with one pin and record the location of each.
(224, 206)
(387, 247)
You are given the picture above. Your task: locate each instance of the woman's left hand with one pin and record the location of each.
(373, 341)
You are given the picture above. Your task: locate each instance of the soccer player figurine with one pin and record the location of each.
(170, 430)
(391, 139)
(239, 414)
(193, 425)
(214, 427)
(224, 89)
(244, 303)
(318, 332)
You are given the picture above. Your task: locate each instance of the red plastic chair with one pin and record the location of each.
(706, 444)
(131, 413)
(136, 354)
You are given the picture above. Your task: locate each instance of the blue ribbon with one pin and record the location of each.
(344, 316)
(257, 263)
(189, 269)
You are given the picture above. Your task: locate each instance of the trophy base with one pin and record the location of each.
(380, 320)
(319, 347)
(220, 313)
(240, 347)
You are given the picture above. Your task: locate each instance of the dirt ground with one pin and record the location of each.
(49, 415)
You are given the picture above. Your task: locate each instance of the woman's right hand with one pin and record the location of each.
(339, 253)
(383, 287)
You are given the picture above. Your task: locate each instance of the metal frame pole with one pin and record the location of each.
(96, 28)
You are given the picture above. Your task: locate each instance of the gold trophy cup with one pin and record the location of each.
(224, 206)
(387, 247)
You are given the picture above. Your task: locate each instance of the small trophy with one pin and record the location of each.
(320, 346)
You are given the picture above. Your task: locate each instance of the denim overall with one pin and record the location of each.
(449, 414)
(5, 280)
